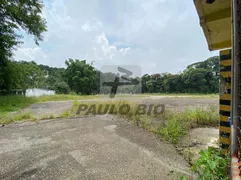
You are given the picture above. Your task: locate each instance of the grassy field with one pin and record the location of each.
(16, 103)
(10, 104)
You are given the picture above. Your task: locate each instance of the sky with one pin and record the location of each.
(156, 35)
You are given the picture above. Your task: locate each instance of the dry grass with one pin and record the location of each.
(175, 123)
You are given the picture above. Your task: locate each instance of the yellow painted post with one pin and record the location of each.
(225, 99)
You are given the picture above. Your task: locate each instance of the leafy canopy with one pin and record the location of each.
(16, 15)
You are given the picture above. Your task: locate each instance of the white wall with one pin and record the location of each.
(39, 92)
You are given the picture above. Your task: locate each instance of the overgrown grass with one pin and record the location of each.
(64, 114)
(173, 129)
(176, 123)
(13, 103)
(182, 94)
(49, 116)
(63, 97)
(18, 117)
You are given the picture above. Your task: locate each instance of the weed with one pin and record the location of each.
(64, 114)
(173, 130)
(17, 117)
(177, 122)
(183, 178)
(60, 97)
(50, 116)
(75, 103)
(24, 115)
(211, 165)
(44, 117)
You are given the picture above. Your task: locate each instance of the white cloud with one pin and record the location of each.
(32, 54)
(92, 26)
(86, 27)
(158, 35)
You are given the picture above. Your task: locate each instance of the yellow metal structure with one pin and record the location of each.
(225, 98)
(215, 20)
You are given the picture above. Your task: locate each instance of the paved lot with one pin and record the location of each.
(58, 107)
(101, 147)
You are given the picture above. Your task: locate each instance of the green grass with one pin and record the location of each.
(176, 124)
(172, 119)
(65, 114)
(173, 130)
(13, 103)
(49, 116)
(18, 117)
(64, 97)
(182, 94)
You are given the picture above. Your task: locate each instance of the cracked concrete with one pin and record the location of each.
(100, 147)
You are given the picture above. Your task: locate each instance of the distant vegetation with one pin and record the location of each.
(82, 78)
(79, 77)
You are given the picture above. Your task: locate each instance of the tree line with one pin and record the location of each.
(79, 77)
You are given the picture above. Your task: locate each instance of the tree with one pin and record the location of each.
(22, 75)
(195, 81)
(25, 75)
(145, 78)
(80, 76)
(31, 75)
(211, 66)
(14, 16)
(61, 88)
(199, 77)
(173, 83)
(53, 79)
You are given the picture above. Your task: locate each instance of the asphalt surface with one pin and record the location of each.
(100, 147)
(58, 107)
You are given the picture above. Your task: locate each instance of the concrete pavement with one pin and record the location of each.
(98, 147)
